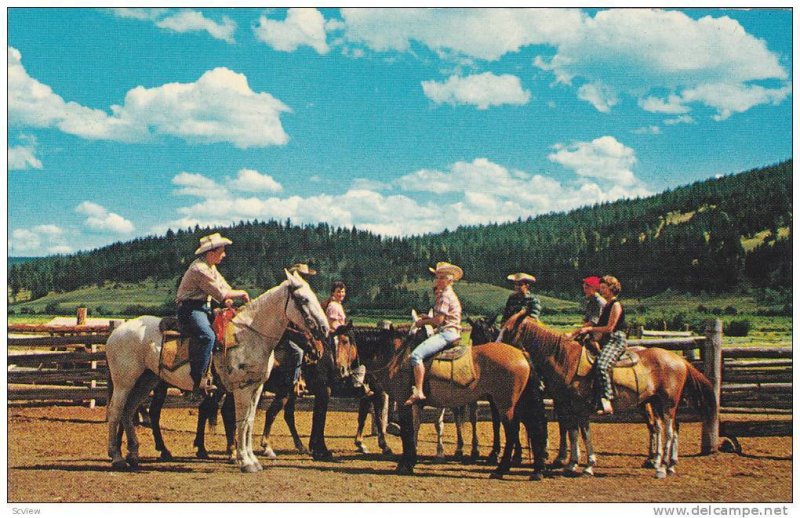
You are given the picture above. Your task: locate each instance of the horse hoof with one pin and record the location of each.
(537, 476)
(671, 470)
(325, 456)
(166, 456)
(496, 476)
(649, 464)
(492, 459)
(133, 462)
(387, 451)
(571, 472)
(588, 472)
(404, 470)
(249, 468)
(393, 429)
(361, 448)
(119, 465)
(558, 463)
(661, 473)
(202, 454)
(269, 453)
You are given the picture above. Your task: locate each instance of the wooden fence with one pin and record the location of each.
(67, 364)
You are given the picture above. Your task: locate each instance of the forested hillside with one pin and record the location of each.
(686, 239)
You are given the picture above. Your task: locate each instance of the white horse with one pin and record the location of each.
(134, 348)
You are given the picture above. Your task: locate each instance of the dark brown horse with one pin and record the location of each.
(503, 374)
(667, 378)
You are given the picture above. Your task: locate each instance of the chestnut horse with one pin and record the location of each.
(503, 373)
(668, 377)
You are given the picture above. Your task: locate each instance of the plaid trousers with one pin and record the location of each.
(609, 354)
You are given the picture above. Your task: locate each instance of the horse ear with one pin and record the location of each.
(288, 275)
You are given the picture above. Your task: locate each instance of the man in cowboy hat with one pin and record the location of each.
(522, 298)
(294, 336)
(201, 283)
(446, 319)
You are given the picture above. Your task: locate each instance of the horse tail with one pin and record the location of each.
(700, 391)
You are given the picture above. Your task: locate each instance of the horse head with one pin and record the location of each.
(378, 345)
(484, 330)
(346, 350)
(306, 311)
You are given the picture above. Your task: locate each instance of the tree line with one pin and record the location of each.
(687, 239)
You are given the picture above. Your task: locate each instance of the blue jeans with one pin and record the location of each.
(196, 321)
(295, 362)
(432, 345)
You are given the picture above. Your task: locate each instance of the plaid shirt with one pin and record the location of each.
(518, 301)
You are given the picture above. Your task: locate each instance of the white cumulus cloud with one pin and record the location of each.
(251, 180)
(218, 107)
(598, 95)
(39, 239)
(188, 20)
(603, 158)
(101, 220)
(302, 27)
(481, 90)
(23, 156)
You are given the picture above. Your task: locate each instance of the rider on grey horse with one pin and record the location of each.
(201, 283)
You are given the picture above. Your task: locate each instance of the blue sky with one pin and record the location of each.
(127, 122)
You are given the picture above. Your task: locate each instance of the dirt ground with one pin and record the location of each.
(58, 454)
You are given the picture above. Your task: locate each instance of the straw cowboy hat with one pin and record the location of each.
(521, 277)
(447, 268)
(302, 269)
(211, 242)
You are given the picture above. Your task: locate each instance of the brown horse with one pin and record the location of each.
(667, 377)
(503, 373)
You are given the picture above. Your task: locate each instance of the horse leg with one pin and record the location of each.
(319, 451)
(658, 457)
(205, 413)
(229, 422)
(363, 409)
(571, 469)
(653, 433)
(459, 415)
(492, 458)
(380, 405)
(439, 426)
(159, 397)
(144, 385)
(408, 427)
(475, 453)
(272, 413)
(511, 428)
(114, 415)
(288, 416)
(246, 400)
(591, 458)
(671, 443)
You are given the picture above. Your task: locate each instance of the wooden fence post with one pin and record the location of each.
(712, 365)
(81, 316)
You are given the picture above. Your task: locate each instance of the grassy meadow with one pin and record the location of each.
(675, 309)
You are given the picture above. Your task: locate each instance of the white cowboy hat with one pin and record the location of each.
(447, 268)
(302, 269)
(521, 277)
(211, 242)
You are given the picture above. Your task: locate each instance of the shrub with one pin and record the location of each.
(51, 308)
(737, 328)
(730, 310)
(702, 309)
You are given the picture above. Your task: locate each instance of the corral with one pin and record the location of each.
(57, 453)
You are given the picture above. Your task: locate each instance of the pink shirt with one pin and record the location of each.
(335, 314)
(202, 280)
(448, 305)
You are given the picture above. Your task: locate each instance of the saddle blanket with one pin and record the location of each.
(627, 371)
(453, 365)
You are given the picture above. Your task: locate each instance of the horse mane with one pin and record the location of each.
(550, 347)
(247, 314)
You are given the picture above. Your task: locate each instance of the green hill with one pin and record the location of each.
(720, 236)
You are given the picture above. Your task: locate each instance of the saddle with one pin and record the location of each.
(626, 372)
(453, 365)
(175, 344)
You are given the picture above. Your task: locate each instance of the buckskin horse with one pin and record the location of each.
(485, 330)
(665, 379)
(502, 372)
(133, 355)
